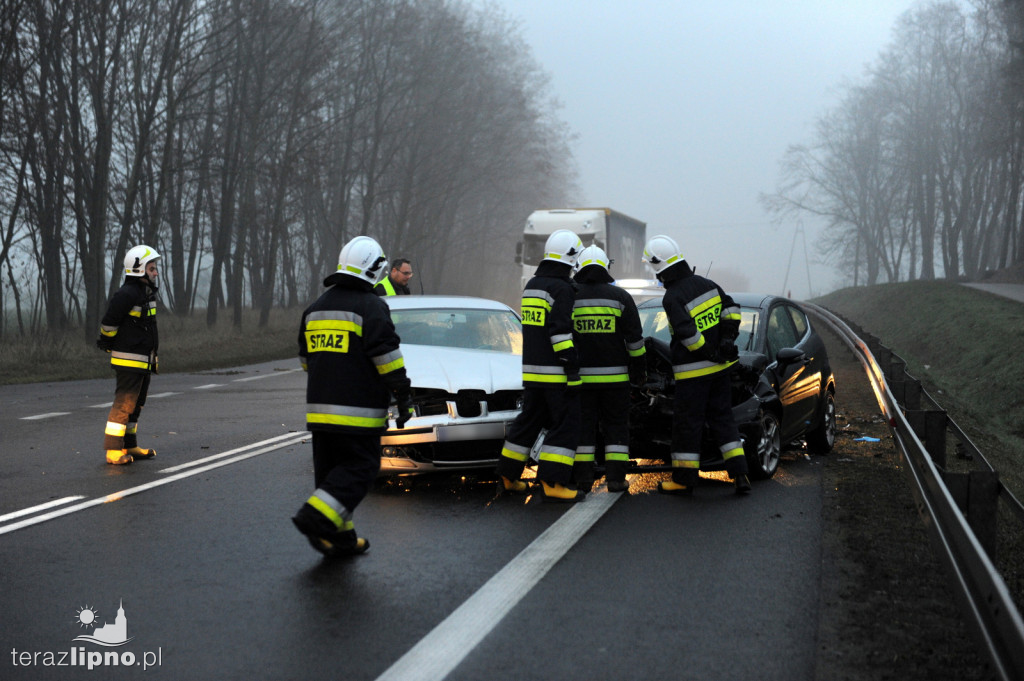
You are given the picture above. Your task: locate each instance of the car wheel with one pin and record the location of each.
(821, 439)
(763, 455)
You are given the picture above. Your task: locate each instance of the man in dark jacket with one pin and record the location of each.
(610, 342)
(396, 283)
(705, 323)
(128, 333)
(348, 346)
(551, 378)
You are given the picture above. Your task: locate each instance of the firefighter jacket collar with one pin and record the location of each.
(557, 270)
(347, 282)
(677, 272)
(594, 274)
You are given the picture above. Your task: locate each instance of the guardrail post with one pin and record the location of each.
(930, 428)
(897, 370)
(977, 495)
(907, 392)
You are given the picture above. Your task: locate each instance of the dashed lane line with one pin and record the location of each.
(107, 405)
(117, 496)
(39, 417)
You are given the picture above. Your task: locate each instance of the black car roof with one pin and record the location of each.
(743, 299)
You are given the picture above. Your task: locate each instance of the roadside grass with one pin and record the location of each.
(964, 347)
(186, 344)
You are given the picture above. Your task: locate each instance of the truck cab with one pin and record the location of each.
(621, 237)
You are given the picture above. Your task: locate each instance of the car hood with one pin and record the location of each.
(455, 369)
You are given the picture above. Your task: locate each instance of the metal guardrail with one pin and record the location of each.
(960, 539)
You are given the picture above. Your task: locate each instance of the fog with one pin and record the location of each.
(683, 112)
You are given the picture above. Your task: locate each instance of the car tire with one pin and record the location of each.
(763, 456)
(821, 439)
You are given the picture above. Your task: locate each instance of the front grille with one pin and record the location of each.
(467, 402)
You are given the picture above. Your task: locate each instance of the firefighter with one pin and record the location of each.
(610, 342)
(551, 378)
(128, 332)
(704, 323)
(349, 348)
(396, 283)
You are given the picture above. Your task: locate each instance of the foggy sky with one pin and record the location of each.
(684, 110)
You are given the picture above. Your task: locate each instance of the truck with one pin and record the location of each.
(621, 237)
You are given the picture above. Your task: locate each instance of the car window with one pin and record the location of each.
(748, 324)
(781, 333)
(655, 323)
(497, 330)
(799, 321)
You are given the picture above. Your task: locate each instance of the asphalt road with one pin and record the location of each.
(197, 547)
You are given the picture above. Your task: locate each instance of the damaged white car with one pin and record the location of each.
(463, 356)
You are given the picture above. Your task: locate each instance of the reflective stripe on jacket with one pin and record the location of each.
(349, 347)
(130, 321)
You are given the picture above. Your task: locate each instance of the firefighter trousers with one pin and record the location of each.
(704, 402)
(558, 410)
(604, 423)
(345, 465)
(122, 421)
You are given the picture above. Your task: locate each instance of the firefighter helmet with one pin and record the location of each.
(363, 258)
(593, 255)
(661, 252)
(136, 258)
(563, 246)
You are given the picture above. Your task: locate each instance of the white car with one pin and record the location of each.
(463, 356)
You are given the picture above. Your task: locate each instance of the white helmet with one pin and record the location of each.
(136, 258)
(593, 255)
(363, 258)
(563, 246)
(661, 252)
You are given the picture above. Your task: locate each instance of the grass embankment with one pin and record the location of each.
(186, 344)
(964, 347)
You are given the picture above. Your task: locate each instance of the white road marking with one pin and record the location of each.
(208, 386)
(117, 496)
(256, 378)
(50, 415)
(199, 462)
(444, 648)
(159, 395)
(40, 507)
(105, 405)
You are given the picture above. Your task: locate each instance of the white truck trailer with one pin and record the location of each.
(621, 237)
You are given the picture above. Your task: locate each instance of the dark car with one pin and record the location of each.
(783, 390)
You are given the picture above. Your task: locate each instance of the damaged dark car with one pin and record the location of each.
(783, 390)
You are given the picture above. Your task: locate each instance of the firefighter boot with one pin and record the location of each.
(131, 444)
(679, 487)
(618, 486)
(118, 457)
(742, 483)
(561, 493)
(583, 475)
(514, 487)
(325, 537)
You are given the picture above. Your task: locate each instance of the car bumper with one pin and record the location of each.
(430, 444)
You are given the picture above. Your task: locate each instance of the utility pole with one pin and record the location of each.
(803, 238)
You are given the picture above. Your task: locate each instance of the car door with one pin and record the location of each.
(797, 381)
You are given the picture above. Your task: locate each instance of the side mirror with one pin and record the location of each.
(789, 356)
(519, 252)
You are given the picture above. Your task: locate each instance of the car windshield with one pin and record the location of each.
(497, 330)
(655, 323)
